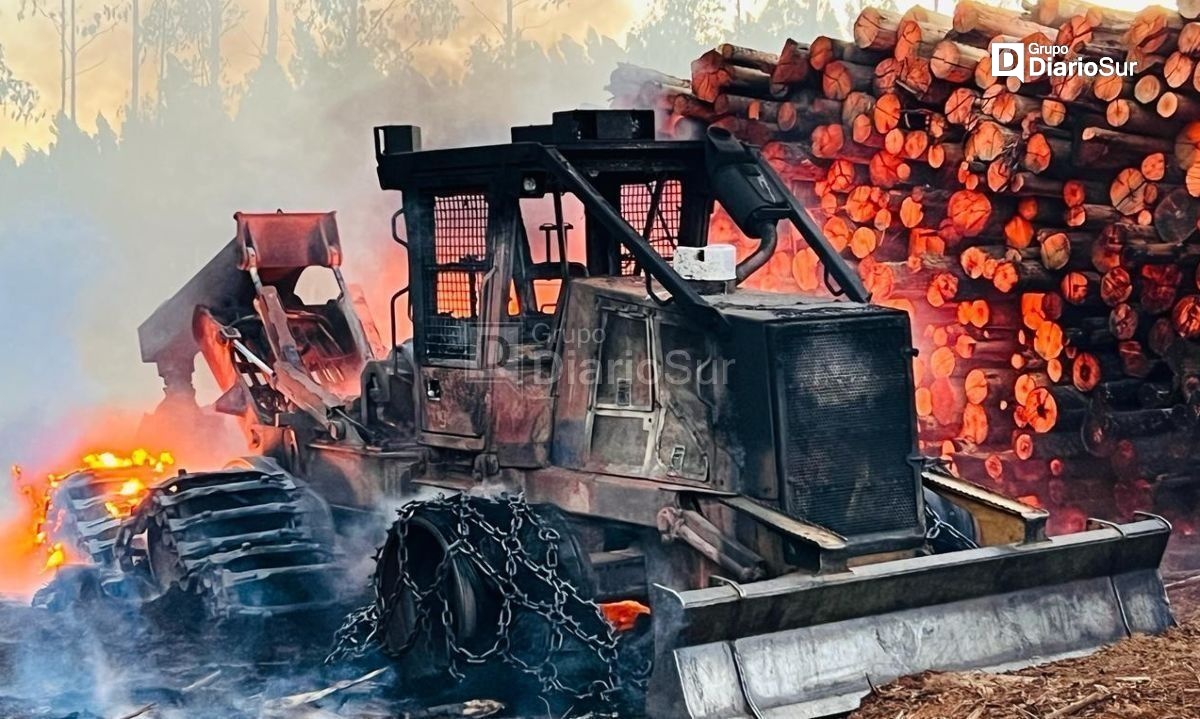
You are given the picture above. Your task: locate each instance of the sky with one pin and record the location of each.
(30, 46)
(31, 49)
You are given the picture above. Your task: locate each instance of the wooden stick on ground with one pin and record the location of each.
(472, 708)
(1073, 708)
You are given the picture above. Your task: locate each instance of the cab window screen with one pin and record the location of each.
(454, 275)
(655, 206)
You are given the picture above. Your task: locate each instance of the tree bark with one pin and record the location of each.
(876, 29)
(272, 30)
(74, 57)
(749, 57)
(215, 13)
(135, 59)
(62, 57)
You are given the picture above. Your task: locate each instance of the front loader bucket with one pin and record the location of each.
(812, 646)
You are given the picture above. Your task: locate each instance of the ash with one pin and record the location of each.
(100, 659)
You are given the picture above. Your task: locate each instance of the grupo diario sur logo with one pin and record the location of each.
(1016, 59)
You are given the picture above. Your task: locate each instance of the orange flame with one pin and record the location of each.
(137, 458)
(58, 556)
(132, 490)
(24, 535)
(128, 496)
(120, 503)
(623, 615)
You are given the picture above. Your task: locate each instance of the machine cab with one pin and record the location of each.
(496, 234)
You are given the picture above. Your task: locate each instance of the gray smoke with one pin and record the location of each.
(99, 229)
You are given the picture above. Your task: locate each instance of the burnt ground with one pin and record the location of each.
(106, 660)
(109, 664)
(103, 659)
(109, 661)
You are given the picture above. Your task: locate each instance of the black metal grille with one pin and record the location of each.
(454, 276)
(637, 201)
(847, 432)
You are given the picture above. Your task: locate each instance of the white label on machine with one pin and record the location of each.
(715, 262)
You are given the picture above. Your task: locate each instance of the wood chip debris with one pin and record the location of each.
(1142, 677)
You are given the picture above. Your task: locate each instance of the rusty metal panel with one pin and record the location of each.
(571, 427)
(454, 401)
(521, 422)
(286, 240)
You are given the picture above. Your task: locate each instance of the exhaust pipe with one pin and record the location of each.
(768, 238)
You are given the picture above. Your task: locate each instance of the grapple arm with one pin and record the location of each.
(166, 335)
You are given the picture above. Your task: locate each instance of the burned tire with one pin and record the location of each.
(241, 542)
(497, 592)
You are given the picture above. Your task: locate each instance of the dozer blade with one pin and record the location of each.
(812, 646)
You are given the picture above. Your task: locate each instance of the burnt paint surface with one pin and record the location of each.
(652, 420)
(521, 423)
(454, 401)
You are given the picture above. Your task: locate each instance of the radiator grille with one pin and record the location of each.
(847, 428)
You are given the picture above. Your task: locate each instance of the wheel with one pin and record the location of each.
(419, 631)
(499, 593)
(240, 542)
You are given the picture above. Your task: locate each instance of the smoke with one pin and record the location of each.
(100, 228)
(103, 224)
(40, 349)
(105, 659)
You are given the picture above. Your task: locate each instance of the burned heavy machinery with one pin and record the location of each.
(594, 426)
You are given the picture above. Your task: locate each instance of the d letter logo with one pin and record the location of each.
(1008, 59)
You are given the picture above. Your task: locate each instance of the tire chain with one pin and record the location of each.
(944, 535)
(364, 628)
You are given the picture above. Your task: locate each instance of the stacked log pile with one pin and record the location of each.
(1040, 230)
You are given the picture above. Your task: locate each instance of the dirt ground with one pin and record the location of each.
(103, 662)
(1139, 678)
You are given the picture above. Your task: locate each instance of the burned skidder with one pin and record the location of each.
(741, 465)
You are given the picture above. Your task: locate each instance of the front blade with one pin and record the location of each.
(811, 646)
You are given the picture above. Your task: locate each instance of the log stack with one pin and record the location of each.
(1040, 231)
